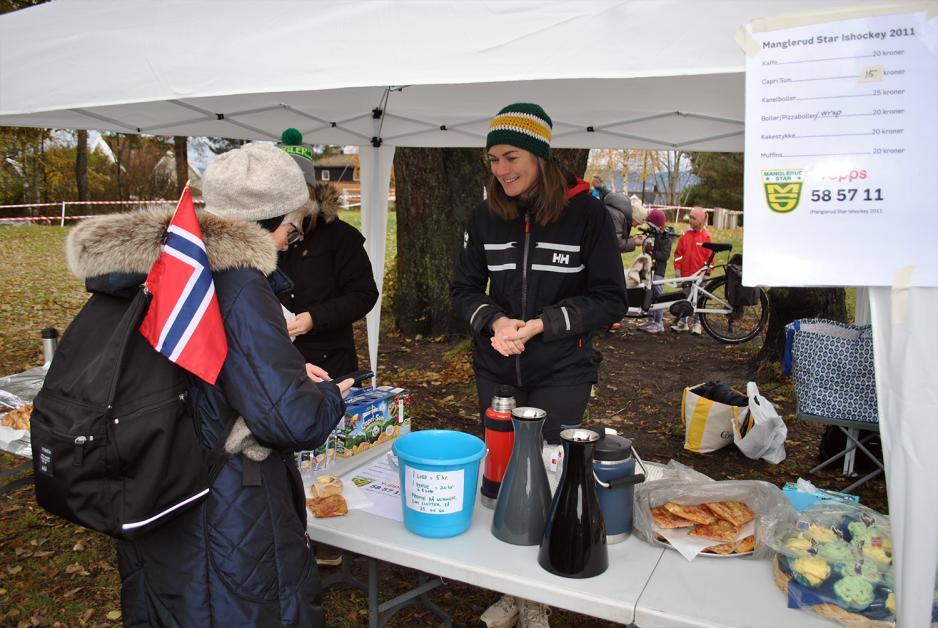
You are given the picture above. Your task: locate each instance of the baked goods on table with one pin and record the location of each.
(329, 506)
(18, 418)
(697, 514)
(721, 521)
(835, 559)
(326, 485)
(664, 519)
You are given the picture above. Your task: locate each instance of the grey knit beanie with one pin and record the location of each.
(254, 182)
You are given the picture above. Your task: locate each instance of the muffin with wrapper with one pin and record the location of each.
(697, 516)
(835, 559)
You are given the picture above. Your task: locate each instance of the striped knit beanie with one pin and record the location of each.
(524, 125)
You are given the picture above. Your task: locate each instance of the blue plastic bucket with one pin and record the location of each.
(439, 471)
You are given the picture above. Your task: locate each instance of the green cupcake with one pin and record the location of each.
(836, 552)
(866, 569)
(854, 593)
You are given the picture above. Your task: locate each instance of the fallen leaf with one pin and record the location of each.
(113, 615)
(14, 570)
(78, 547)
(42, 553)
(87, 614)
(76, 568)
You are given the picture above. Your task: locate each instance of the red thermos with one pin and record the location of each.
(499, 440)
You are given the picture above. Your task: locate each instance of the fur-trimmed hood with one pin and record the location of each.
(130, 243)
(323, 201)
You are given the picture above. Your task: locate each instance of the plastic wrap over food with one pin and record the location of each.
(835, 558)
(682, 486)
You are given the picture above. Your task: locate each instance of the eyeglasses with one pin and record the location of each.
(294, 234)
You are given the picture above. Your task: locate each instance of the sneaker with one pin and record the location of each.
(652, 328)
(328, 556)
(681, 325)
(696, 329)
(533, 615)
(502, 614)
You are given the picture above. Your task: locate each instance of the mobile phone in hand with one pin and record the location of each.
(358, 376)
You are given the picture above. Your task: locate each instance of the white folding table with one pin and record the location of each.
(478, 558)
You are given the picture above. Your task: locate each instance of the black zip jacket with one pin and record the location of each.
(568, 273)
(334, 283)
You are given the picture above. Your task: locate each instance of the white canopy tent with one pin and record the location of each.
(612, 73)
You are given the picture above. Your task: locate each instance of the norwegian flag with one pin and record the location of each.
(184, 322)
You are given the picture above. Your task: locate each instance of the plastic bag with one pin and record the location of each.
(761, 433)
(683, 485)
(835, 559)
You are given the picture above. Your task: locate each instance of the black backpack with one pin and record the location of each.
(113, 441)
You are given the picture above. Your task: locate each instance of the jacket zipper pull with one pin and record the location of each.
(80, 442)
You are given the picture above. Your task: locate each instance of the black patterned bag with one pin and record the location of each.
(832, 364)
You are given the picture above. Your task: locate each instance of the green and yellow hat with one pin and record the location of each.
(524, 125)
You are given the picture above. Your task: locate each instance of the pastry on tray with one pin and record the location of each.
(745, 544)
(329, 506)
(326, 485)
(720, 530)
(737, 513)
(664, 519)
(697, 514)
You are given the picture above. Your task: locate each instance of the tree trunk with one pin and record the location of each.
(436, 190)
(181, 150)
(789, 304)
(573, 159)
(81, 168)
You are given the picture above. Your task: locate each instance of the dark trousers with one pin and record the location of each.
(564, 405)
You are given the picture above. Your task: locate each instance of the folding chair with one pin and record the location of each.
(854, 443)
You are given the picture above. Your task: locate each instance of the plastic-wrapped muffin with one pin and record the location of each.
(809, 570)
(798, 544)
(878, 553)
(853, 592)
(836, 552)
(821, 534)
(866, 569)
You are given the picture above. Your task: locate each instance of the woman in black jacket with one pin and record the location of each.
(333, 282)
(547, 251)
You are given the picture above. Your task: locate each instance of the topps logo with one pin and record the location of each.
(850, 175)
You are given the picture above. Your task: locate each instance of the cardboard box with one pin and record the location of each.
(372, 416)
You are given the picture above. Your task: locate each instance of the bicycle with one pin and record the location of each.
(729, 318)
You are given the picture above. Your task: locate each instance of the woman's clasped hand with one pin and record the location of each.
(510, 334)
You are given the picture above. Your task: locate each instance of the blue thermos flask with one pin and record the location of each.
(614, 467)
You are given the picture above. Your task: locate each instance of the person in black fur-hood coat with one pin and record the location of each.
(241, 557)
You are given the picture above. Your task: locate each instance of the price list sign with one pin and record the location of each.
(841, 164)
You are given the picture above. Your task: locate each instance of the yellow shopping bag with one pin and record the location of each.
(708, 424)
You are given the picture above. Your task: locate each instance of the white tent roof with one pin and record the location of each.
(641, 73)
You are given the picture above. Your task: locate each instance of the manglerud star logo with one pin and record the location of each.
(783, 188)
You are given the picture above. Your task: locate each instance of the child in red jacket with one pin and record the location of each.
(689, 257)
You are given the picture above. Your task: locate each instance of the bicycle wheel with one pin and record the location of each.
(738, 324)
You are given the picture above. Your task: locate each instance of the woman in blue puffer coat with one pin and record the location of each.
(242, 557)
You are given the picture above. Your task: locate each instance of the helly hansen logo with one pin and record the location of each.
(553, 257)
(560, 258)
